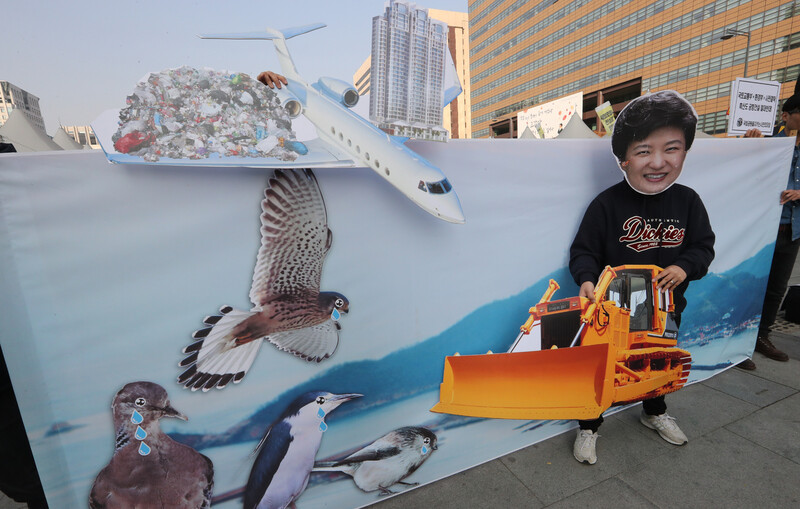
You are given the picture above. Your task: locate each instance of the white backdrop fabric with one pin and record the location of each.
(106, 270)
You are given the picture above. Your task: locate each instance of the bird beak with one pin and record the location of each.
(344, 397)
(171, 412)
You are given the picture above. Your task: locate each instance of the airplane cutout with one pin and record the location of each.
(344, 137)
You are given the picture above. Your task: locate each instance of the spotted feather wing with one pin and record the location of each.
(294, 237)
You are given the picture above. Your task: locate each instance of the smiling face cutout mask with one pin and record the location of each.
(651, 138)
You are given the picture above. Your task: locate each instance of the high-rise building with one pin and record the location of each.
(457, 115)
(407, 71)
(525, 53)
(12, 97)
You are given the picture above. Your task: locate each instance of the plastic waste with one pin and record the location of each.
(189, 113)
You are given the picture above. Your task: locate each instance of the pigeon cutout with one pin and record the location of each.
(386, 461)
(289, 310)
(148, 469)
(287, 452)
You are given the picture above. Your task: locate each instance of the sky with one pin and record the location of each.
(83, 57)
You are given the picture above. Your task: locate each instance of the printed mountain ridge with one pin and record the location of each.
(494, 327)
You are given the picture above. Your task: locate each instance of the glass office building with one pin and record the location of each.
(527, 52)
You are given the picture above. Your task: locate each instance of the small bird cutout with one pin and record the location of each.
(289, 310)
(286, 453)
(148, 469)
(386, 461)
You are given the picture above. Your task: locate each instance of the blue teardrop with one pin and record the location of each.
(136, 417)
(322, 426)
(320, 413)
(140, 434)
(144, 449)
(424, 450)
(335, 315)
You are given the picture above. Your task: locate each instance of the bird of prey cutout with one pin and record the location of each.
(289, 310)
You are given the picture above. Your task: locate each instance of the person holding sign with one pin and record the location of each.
(646, 219)
(788, 241)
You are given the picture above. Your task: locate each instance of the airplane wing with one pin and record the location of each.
(319, 154)
(203, 117)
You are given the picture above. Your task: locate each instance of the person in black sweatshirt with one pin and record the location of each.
(646, 219)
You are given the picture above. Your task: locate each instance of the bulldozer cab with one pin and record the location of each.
(632, 290)
(650, 310)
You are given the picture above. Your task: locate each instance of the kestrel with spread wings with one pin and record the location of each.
(289, 310)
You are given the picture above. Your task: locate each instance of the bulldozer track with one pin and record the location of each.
(654, 353)
(670, 387)
(671, 354)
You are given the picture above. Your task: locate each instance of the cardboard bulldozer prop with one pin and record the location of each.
(574, 358)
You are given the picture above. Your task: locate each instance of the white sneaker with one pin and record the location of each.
(584, 448)
(666, 427)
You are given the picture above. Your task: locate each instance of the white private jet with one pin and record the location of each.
(352, 139)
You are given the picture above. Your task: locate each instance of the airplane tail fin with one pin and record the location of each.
(278, 37)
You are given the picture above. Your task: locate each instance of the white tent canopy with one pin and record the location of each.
(65, 141)
(26, 137)
(576, 129)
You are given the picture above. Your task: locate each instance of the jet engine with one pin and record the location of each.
(289, 102)
(338, 90)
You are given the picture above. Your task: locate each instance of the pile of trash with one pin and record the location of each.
(188, 113)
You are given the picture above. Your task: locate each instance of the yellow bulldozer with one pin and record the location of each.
(575, 358)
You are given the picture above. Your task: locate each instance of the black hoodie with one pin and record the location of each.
(622, 226)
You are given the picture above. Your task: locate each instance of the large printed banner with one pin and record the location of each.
(548, 119)
(108, 271)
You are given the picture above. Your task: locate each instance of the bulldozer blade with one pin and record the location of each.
(566, 383)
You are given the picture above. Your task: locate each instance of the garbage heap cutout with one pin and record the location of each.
(188, 113)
